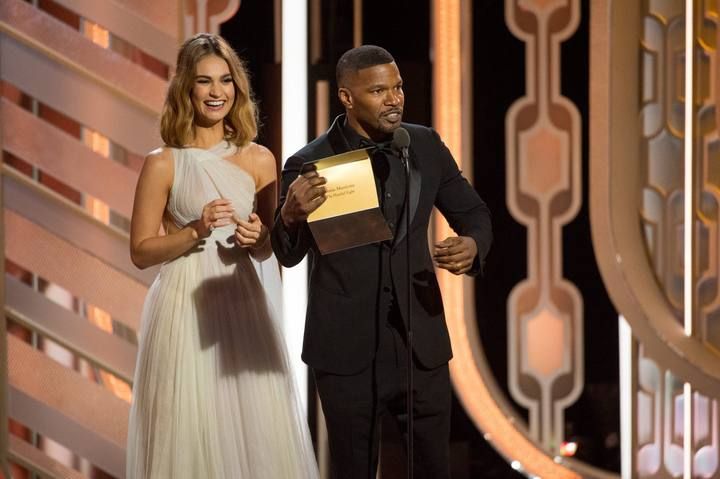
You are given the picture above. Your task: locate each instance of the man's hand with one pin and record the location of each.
(304, 196)
(455, 254)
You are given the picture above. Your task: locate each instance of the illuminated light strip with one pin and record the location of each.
(687, 431)
(689, 207)
(689, 171)
(477, 396)
(626, 397)
(294, 137)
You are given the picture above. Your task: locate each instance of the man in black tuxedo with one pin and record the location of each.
(355, 339)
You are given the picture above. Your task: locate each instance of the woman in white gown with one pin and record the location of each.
(212, 396)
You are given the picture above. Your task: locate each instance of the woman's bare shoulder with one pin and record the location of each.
(264, 164)
(159, 166)
(260, 156)
(160, 159)
(162, 154)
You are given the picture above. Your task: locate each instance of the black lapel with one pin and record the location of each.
(335, 136)
(415, 184)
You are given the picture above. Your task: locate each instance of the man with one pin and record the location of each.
(355, 339)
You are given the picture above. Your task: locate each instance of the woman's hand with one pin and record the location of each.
(252, 233)
(215, 214)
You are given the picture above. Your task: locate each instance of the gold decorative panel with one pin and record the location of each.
(662, 118)
(654, 152)
(707, 151)
(207, 15)
(544, 162)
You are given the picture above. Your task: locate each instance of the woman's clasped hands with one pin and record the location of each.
(250, 233)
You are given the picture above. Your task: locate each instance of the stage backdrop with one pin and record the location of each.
(590, 348)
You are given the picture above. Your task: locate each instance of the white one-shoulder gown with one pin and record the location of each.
(212, 395)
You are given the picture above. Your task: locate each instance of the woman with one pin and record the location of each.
(212, 394)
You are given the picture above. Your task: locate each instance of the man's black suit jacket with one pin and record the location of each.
(340, 326)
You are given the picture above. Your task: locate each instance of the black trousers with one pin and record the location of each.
(353, 406)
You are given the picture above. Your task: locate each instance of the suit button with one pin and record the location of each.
(386, 289)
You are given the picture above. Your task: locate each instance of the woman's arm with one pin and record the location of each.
(254, 233)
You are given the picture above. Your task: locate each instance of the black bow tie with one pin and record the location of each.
(382, 146)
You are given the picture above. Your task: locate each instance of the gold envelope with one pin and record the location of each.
(351, 214)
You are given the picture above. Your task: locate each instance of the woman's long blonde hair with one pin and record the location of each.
(176, 122)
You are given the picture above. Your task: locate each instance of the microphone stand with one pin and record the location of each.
(405, 157)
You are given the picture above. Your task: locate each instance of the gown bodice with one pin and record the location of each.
(202, 176)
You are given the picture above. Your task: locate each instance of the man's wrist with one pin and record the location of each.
(289, 225)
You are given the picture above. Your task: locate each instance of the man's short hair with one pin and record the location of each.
(356, 59)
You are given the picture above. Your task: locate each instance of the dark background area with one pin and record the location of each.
(403, 27)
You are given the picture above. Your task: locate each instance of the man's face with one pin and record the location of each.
(373, 99)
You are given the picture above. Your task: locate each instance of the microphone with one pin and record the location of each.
(401, 143)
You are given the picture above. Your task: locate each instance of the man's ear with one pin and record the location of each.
(345, 97)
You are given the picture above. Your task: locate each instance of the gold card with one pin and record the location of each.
(351, 213)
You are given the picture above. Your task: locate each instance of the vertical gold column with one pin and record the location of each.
(357, 23)
(447, 120)
(654, 157)
(544, 193)
(322, 123)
